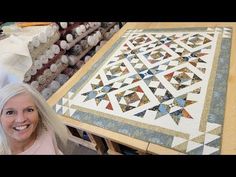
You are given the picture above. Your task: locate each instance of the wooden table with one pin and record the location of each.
(229, 127)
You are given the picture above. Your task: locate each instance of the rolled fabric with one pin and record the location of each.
(79, 64)
(64, 59)
(35, 84)
(38, 64)
(30, 46)
(110, 35)
(84, 44)
(87, 26)
(69, 37)
(63, 44)
(116, 28)
(107, 35)
(53, 68)
(91, 24)
(97, 48)
(55, 28)
(44, 59)
(42, 79)
(27, 77)
(76, 50)
(110, 23)
(38, 57)
(46, 93)
(96, 39)
(42, 38)
(32, 70)
(49, 54)
(99, 35)
(104, 24)
(86, 58)
(62, 78)
(50, 30)
(69, 71)
(74, 33)
(54, 86)
(59, 66)
(52, 51)
(78, 30)
(35, 41)
(112, 31)
(102, 42)
(63, 25)
(47, 73)
(72, 60)
(55, 48)
(83, 28)
(91, 41)
(91, 53)
(98, 23)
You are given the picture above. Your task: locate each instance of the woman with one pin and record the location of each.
(28, 125)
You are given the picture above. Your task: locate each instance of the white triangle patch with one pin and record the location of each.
(168, 101)
(228, 29)
(64, 101)
(122, 101)
(70, 94)
(175, 108)
(210, 137)
(109, 73)
(70, 103)
(177, 141)
(190, 75)
(209, 150)
(226, 36)
(122, 68)
(127, 92)
(58, 107)
(173, 81)
(187, 82)
(211, 126)
(192, 145)
(64, 109)
(210, 29)
(135, 104)
(71, 111)
(218, 29)
(140, 95)
(195, 134)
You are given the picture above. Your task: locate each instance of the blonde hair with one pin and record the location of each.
(47, 116)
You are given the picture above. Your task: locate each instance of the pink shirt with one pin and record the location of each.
(44, 145)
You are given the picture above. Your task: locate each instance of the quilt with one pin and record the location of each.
(164, 86)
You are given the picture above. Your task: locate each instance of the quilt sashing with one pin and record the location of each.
(165, 86)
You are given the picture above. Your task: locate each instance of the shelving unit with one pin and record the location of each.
(79, 38)
(55, 39)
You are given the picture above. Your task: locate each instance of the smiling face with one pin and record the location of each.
(19, 119)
